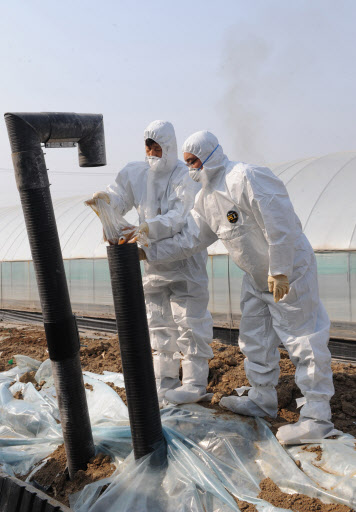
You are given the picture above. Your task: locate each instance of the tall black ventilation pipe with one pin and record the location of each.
(26, 133)
(136, 355)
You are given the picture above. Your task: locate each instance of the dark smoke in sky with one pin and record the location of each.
(289, 90)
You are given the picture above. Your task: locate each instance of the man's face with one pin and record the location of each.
(192, 161)
(154, 150)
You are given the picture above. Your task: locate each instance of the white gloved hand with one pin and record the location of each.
(98, 195)
(279, 286)
(102, 195)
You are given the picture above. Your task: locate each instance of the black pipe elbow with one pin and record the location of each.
(28, 130)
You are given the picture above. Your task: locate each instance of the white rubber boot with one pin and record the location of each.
(166, 367)
(195, 379)
(313, 425)
(261, 401)
(242, 405)
(165, 384)
(306, 430)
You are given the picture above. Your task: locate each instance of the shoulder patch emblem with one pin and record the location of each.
(232, 216)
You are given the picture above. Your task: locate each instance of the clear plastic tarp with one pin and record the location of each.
(211, 457)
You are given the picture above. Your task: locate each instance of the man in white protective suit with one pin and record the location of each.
(176, 293)
(249, 209)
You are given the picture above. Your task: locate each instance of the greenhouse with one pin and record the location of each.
(322, 191)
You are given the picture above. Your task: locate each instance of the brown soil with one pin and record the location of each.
(101, 352)
(298, 502)
(28, 377)
(227, 373)
(53, 479)
(45, 476)
(120, 391)
(245, 506)
(314, 449)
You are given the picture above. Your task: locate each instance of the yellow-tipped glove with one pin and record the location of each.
(131, 234)
(98, 195)
(279, 286)
(102, 195)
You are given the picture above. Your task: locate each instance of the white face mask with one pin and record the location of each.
(153, 161)
(194, 174)
(156, 163)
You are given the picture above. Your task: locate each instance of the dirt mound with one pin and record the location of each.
(120, 391)
(28, 377)
(101, 354)
(244, 506)
(314, 449)
(26, 340)
(298, 502)
(53, 477)
(226, 373)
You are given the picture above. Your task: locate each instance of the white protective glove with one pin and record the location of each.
(98, 195)
(130, 234)
(279, 286)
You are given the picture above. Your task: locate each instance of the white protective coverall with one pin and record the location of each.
(176, 293)
(249, 209)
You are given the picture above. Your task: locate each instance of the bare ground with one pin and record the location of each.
(101, 352)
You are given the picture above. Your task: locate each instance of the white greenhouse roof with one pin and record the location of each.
(322, 191)
(80, 231)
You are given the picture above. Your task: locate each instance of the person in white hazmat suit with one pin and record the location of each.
(248, 208)
(176, 293)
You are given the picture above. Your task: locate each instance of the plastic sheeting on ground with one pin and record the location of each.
(211, 456)
(333, 466)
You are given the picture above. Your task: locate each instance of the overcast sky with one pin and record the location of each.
(275, 80)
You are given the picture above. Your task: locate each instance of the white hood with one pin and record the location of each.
(205, 146)
(163, 133)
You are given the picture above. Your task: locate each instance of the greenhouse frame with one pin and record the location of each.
(323, 194)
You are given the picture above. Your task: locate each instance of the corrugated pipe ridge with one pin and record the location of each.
(136, 355)
(26, 133)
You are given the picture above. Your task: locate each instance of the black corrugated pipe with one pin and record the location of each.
(136, 354)
(26, 133)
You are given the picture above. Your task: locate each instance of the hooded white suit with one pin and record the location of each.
(176, 293)
(249, 209)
